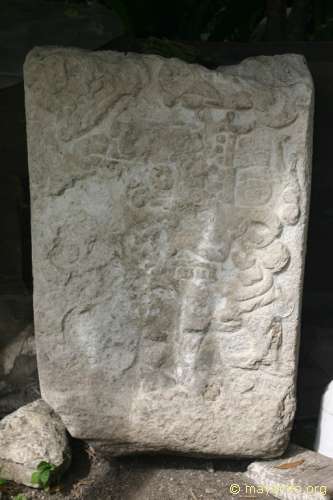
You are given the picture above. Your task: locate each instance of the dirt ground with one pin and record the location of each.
(142, 478)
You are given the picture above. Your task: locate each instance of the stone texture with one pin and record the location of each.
(18, 364)
(169, 210)
(299, 475)
(18, 372)
(31, 435)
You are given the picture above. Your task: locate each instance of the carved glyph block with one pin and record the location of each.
(169, 211)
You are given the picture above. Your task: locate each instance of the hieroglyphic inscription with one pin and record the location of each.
(169, 206)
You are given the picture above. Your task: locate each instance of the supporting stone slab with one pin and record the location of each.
(299, 475)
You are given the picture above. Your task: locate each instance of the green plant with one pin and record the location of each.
(3, 481)
(43, 475)
(20, 496)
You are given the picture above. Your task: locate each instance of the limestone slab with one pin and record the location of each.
(300, 474)
(169, 212)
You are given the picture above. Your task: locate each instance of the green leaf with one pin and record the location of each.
(35, 477)
(3, 481)
(19, 497)
(43, 466)
(44, 477)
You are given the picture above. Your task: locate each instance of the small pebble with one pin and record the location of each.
(210, 467)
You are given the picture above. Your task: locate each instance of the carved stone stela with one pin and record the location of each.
(169, 210)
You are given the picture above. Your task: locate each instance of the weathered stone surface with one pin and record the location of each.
(18, 364)
(30, 435)
(169, 208)
(18, 372)
(299, 475)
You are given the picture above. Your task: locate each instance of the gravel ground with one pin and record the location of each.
(142, 478)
